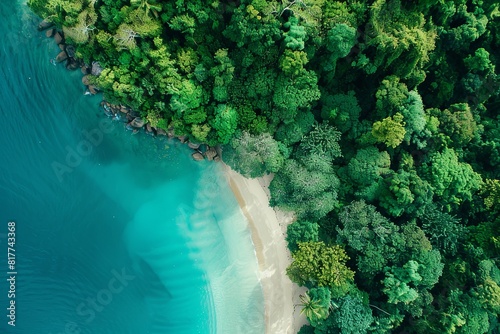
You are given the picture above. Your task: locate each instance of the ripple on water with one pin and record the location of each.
(132, 238)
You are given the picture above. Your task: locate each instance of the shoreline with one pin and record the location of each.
(267, 226)
(268, 230)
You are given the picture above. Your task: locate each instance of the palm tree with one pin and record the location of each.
(313, 309)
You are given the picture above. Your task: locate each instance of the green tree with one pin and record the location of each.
(366, 169)
(480, 62)
(370, 234)
(81, 31)
(321, 265)
(315, 309)
(342, 110)
(225, 123)
(294, 37)
(293, 62)
(293, 132)
(323, 139)
(351, 315)
(390, 131)
(453, 181)
(401, 38)
(301, 231)
(291, 94)
(445, 232)
(404, 192)
(391, 95)
(253, 156)
(398, 283)
(340, 39)
(223, 73)
(458, 123)
(307, 187)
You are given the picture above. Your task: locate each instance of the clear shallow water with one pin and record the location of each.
(128, 235)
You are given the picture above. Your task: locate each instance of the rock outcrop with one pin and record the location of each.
(96, 69)
(137, 122)
(197, 156)
(50, 33)
(62, 56)
(210, 154)
(194, 146)
(58, 37)
(45, 25)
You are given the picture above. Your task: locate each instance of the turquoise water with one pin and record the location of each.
(115, 233)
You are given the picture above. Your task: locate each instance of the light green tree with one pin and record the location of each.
(321, 265)
(390, 131)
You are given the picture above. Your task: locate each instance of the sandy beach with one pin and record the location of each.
(268, 228)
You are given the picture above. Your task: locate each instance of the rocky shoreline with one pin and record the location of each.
(200, 151)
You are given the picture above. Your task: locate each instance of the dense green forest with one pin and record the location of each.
(379, 119)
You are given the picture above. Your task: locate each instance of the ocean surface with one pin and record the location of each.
(114, 232)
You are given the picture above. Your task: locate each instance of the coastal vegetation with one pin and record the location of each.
(379, 119)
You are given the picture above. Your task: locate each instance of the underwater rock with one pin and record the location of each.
(92, 89)
(197, 156)
(137, 122)
(85, 69)
(50, 32)
(194, 146)
(210, 153)
(58, 38)
(45, 25)
(70, 50)
(72, 64)
(61, 56)
(85, 80)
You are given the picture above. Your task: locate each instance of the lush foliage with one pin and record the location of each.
(378, 118)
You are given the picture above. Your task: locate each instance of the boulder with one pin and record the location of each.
(161, 132)
(61, 56)
(70, 50)
(72, 64)
(62, 46)
(137, 122)
(45, 25)
(96, 68)
(182, 139)
(197, 156)
(50, 32)
(92, 89)
(194, 146)
(86, 80)
(148, 128)
(210, 154)
(217, 159)
(58, 38)
(123, 109)
(85, 70)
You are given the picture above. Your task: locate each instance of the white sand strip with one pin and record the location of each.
(268, 235)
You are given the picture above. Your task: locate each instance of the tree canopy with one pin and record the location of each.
(377, 120)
